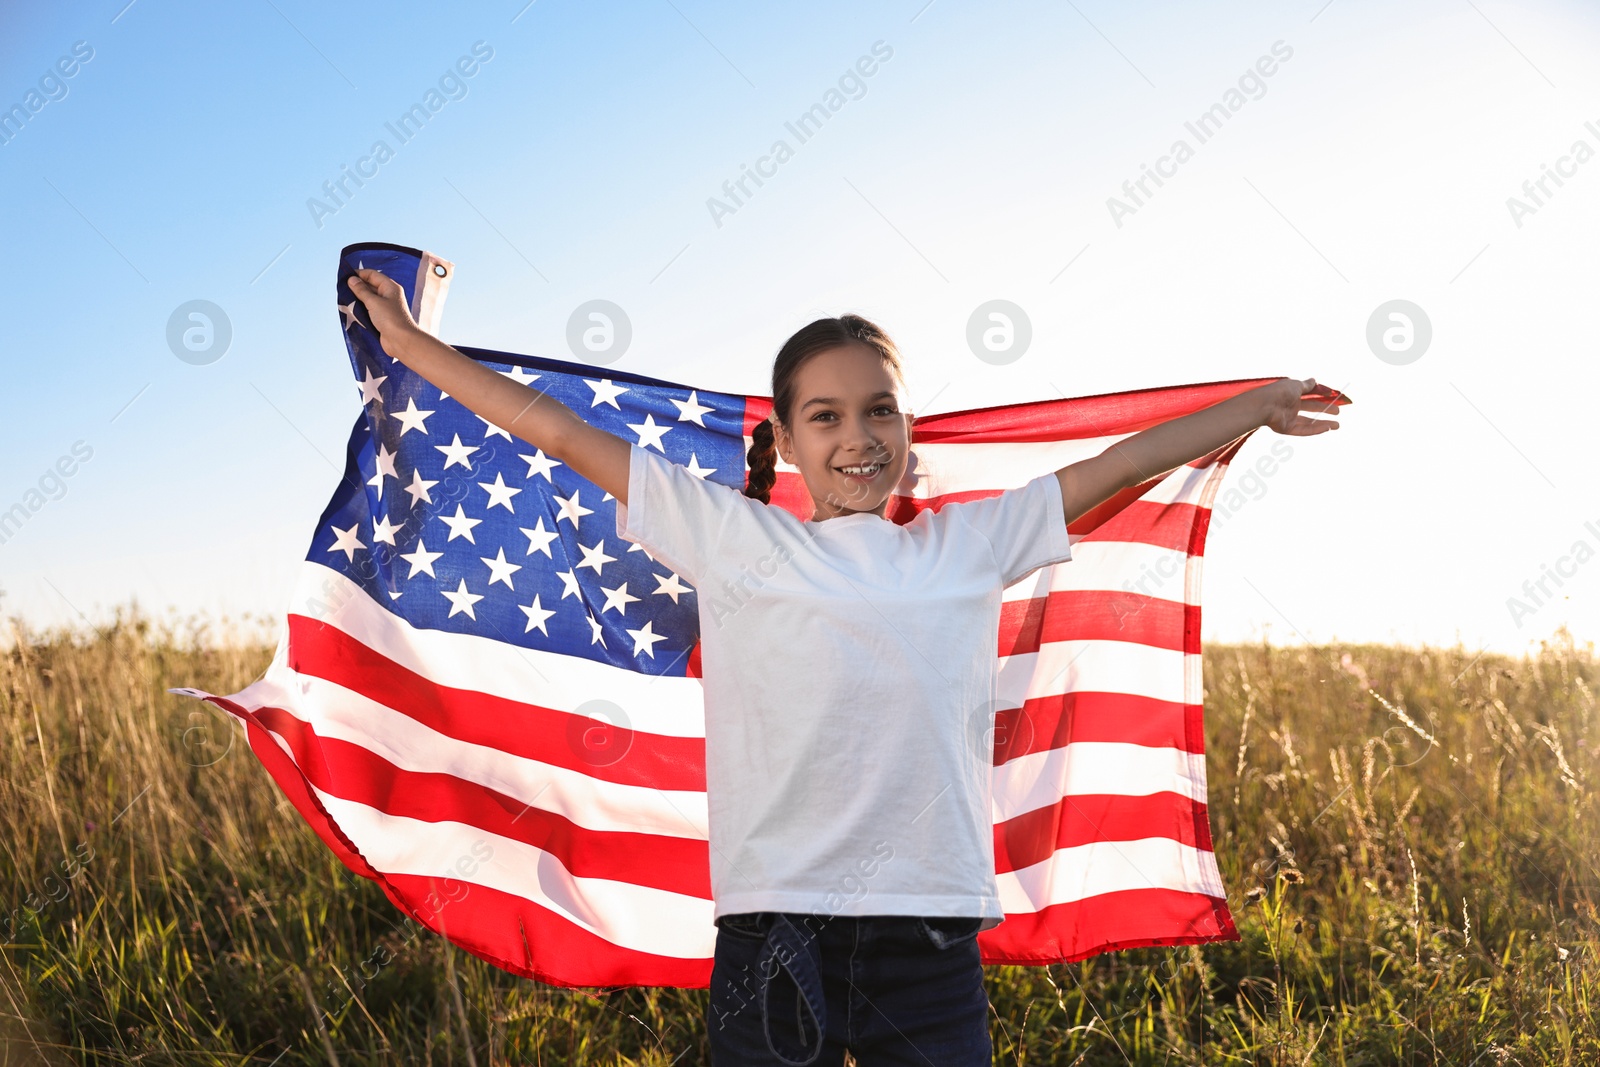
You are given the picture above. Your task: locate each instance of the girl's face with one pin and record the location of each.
(847, 413)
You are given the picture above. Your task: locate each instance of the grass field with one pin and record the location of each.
(1409, 840)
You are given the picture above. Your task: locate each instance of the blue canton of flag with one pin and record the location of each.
(454, 524)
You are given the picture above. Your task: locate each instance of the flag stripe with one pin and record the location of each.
(1081, 928)
(324, 713)
(1055, 720)
(1078, 417)
(1035, 837)
(1100, 867)
(1097, 616)
(1038, 779)
(627, 914)
(611, 753)
(660, 861)
(516, 933)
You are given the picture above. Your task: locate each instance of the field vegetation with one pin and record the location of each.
(1409, 838)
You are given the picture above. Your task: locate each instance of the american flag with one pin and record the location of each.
(487, 702)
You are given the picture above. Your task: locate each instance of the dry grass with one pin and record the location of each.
(1420, 825)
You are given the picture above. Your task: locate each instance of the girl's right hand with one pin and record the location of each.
(384, 300)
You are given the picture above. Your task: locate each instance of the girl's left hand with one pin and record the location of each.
(1286, 399)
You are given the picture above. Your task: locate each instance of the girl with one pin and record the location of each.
(849, 668)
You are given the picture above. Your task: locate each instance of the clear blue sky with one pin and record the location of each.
(976, 162)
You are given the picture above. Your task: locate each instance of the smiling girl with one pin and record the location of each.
(851, 842)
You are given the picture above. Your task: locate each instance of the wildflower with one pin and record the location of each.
(1291, 876)
(1255, 894)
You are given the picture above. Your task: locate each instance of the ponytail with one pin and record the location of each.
(763, 459)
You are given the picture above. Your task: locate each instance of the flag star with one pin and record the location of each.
(456, 452)
(690, 410)
(369, 387)
(520, 375)
(500, 570)
(569, 585)
(597, 635)
(460, 525)
(492, 430)
(536, 615)
(540, 464)
(649, 433)
(461, 600)
(419, 488)
(346, 541)
(637, 547)
(499, 493)
(671, 586)
(421, 560)
(385, 465)
(539, 538)
(349, 313)
(384, 530)
(571, 509)
(618, 598)
(605, 392)
(694, 468)
(595, 556)
(644, 640)
(411, 418)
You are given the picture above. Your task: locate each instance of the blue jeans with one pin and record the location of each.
(790, 988)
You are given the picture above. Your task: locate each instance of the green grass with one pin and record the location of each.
(1421, 825)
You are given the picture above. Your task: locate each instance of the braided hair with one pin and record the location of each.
(808, 341)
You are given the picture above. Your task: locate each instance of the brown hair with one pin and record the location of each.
(808, 341)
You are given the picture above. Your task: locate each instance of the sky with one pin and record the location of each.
(1358, 154)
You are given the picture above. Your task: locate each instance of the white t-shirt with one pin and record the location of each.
(850, 674)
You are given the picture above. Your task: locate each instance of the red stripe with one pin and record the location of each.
(350, 772)
(1093, 615)
(559, 738)
(519, 935)
(1035, 836)
(756, 408)
(1050, 722)
(1062, 933)
(1106, 415)
(1147, 522)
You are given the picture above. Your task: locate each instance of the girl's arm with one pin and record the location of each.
(1091, 482)
(534, 416)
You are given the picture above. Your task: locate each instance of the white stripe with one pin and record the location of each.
(627, 915)
(957, 468)
(1093, 666)
(1092, 768)
(1123, 568)
(337, 713)
(657, 704)
(1084, 871)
